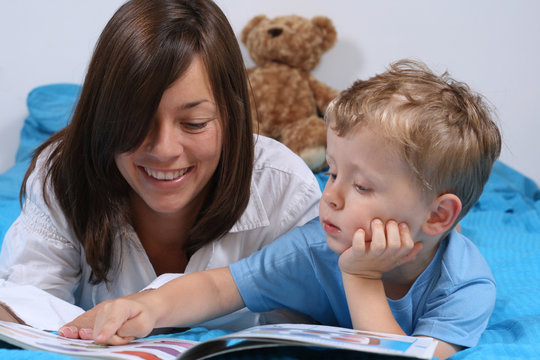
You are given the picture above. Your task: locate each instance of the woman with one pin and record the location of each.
(158, 171)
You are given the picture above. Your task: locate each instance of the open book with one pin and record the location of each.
(280, 336)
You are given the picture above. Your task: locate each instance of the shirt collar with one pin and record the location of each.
(255, 214)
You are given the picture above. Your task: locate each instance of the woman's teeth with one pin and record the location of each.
(165, 175)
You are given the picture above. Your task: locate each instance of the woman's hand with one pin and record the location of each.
(82, 326)
(120, 321)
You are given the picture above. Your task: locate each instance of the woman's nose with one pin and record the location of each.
(164, 141)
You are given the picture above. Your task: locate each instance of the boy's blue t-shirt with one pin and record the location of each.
(451, 300)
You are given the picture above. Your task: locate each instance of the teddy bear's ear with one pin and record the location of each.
(327, 29)
(250, 25)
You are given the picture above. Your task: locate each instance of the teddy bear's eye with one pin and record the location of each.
(275, 32)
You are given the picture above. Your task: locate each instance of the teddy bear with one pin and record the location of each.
(288, 103)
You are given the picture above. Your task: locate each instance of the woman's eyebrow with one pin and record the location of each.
(191, 105)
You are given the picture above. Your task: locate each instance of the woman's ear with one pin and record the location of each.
(444, 211)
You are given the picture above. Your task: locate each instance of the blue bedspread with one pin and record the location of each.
(505, 225)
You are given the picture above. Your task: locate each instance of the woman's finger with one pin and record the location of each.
(111, 317)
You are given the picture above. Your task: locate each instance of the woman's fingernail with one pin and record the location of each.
(86, 333)
(68, 330)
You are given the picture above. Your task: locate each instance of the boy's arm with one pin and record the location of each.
(445, 350)
(185, 301)
(362, 267)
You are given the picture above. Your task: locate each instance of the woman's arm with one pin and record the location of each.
(35, 254)
(185, 301)
(6, 314)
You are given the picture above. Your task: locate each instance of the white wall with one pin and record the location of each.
(493, 45)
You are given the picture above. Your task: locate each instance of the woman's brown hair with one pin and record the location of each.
(144, 48)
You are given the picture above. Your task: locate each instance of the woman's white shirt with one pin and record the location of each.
(41, 250)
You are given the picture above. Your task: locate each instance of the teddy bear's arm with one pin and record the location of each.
(323, 93)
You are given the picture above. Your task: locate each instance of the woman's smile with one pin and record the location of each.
(166, 175)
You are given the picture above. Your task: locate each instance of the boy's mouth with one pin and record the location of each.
(330, 228)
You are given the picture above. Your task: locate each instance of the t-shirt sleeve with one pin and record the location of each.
(460, 315)
(281, 275)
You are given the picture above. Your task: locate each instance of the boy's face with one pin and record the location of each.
(368, 179)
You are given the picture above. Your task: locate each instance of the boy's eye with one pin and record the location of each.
(361, 188)
(331, 175)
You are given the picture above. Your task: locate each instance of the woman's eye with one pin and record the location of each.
(195, 126)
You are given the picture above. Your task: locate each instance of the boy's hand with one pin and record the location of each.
(120, 321)
(390, 246)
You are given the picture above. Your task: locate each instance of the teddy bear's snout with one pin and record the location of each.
(275, 32)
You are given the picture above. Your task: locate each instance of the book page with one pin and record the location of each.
(26, 337)
(29, 303)
(322, 336)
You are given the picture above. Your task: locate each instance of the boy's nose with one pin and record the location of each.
(332, 197)
(334, 204)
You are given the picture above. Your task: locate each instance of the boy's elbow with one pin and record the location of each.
(444, 350)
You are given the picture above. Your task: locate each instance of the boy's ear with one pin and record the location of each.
(444, 212)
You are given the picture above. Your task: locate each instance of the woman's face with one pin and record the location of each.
(170, 170)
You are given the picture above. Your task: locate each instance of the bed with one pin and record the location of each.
(505, 225)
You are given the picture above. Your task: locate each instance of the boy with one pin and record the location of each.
(409, 153)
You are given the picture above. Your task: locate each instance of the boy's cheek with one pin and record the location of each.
(336, 245)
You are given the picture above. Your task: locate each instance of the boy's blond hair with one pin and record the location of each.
(443, 129)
